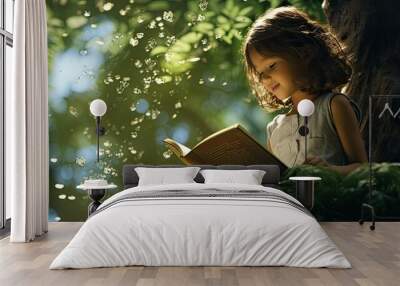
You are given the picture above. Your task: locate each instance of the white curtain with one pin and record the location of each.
(27, 124)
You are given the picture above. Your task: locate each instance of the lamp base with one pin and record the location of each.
(372, 209)
(95, 195)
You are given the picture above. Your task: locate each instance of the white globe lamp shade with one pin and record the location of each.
(305, 107)
(98, 107)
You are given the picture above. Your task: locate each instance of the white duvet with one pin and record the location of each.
(200, 231)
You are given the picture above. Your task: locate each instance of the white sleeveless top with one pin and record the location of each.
(322, 140)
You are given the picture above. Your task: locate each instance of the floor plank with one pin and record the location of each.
(374, 255)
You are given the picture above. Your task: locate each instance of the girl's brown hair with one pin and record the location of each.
(314, 55)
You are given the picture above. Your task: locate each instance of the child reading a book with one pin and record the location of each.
(288, 58)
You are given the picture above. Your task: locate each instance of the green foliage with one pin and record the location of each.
(158, 5)
(340, 197)
(311, 7)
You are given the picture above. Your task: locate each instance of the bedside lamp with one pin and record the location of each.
(305, 109)
(98, 108)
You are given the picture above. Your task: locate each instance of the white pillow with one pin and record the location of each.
(248, 177)
(163, 176)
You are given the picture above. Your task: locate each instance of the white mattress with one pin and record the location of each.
(200, 231)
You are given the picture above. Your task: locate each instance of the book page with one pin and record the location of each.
(184, 150)
(234, 145)
(179, 149)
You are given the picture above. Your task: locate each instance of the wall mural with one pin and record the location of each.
(165, 69)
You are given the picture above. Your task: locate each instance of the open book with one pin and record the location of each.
(229, 146)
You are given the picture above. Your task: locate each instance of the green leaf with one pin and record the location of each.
(222, 19)
(234, 12)
(245, 11)
(176, 63)
(229, 5)
(226, 26)
(180, 47)
(227, 39)
(243, 19)
(157, 5)
(191, 37)
(204, 27)
(275, 3)
(158, 50)
(219, 32)
(237, 35)
(56, 22)
(240, 25)
(75, 22)
(166, 78)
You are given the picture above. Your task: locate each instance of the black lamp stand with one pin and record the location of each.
(100, 131)
(303, 131)
(368, 205)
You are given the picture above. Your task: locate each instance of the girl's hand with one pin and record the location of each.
(317, 161)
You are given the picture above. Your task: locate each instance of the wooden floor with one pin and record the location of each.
(375, 257)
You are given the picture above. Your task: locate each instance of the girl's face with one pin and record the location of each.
(274, 74)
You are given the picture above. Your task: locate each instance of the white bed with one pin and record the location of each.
(205, 230)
